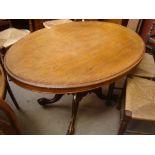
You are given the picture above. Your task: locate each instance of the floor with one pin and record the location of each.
(94, 118)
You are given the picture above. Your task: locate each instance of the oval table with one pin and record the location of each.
(73, 58)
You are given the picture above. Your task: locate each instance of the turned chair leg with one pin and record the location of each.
(12, 95)
(122, 95)
(124, 123)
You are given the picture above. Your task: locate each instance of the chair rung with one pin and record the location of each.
(118, 88)
(138, 132)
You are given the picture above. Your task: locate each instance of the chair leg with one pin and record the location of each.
(12, 95)
(11, 116)
(2, 51)
(124, 123)
(110, 94)
(123, 91)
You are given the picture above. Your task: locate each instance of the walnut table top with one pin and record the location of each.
(73, 57)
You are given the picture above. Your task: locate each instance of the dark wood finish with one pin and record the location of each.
(125, 22)
(122, 95)
(31, 28)
(75, 104)
(5, 23)
(126, 118)
(12, 95)
(14, 128)
(7, 86)
(45, 101)
(99, 93)
(110, 94)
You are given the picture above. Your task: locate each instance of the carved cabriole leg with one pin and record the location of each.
(45, 101)
(75, 104)
(126, 118)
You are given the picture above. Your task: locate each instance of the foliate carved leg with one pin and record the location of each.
(45, 101)
(75, 104)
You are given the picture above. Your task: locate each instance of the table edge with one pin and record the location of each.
(70, 88)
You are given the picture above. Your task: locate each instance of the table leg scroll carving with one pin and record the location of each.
(45, 101)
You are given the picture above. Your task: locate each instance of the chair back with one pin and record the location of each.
(9, 125)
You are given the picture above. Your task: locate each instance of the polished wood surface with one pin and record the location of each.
(2, 83)
(74, 57)
(13, 126)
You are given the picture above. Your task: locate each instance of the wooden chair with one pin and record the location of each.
(49, 24)
(139, 102)
(10, 124)
(9, 37)
(146, 68)
(150, 40)
(5, 23)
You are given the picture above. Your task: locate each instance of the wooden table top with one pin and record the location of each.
(74, 57)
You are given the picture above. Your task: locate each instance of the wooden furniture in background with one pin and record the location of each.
(74, 58)
(146, 68)
(139, 102)
(51, 23)
(5, 23)
(10, 36)
(9, 125)
(135, 24)
(146, 27)
(116, 21)
(7, 38)
(36, 24)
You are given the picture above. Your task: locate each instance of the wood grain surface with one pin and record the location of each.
(74, 57)
(2, 82)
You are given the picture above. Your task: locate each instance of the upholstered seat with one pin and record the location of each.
(49, 24)
(10, 36)
(146, 68)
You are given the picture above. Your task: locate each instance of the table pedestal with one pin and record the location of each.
(77, 97)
